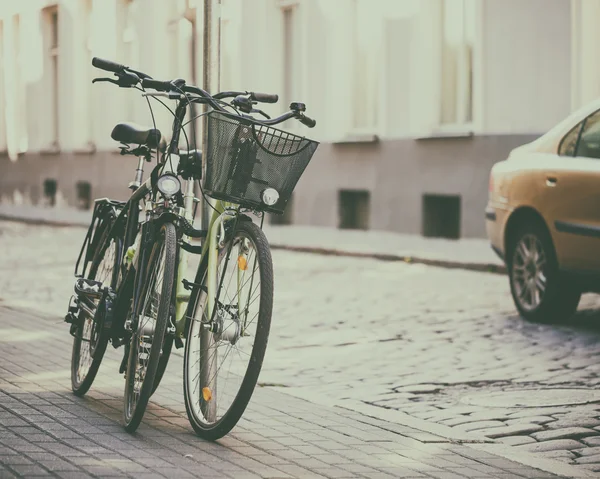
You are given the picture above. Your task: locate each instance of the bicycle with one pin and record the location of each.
(251, 168)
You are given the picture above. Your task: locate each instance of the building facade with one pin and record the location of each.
(415, 100)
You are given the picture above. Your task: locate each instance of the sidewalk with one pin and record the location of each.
(46, 431)
(472, 254)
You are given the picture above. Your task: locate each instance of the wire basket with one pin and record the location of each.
(245, 158)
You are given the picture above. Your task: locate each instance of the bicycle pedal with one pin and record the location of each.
(178, 343)
(73, 329)
(123, 366)
(72, 310)
(88, 287)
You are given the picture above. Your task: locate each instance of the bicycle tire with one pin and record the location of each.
(197, 407)
(162, 362)
(81, 385)
(135, 404)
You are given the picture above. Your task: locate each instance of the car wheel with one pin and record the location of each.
(540, 292)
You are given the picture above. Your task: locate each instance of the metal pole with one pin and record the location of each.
(211, 49)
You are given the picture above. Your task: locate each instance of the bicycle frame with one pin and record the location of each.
(223, 212)
(129, 220)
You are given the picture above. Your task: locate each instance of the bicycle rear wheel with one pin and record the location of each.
(149, 328)
(224, 354)
(89, 342)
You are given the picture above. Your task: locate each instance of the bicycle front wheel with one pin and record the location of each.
(149, 328)
(224, 353)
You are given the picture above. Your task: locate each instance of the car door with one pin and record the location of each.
(572, 196)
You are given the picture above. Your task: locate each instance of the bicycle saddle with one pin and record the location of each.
(139, 135)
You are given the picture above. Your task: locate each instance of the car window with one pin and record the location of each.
(569, 142)
(589, 140)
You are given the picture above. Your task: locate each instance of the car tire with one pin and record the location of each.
(539, 290)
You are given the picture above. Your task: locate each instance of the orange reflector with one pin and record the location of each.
(242, 263)
(206, 394)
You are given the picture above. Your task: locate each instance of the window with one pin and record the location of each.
(129, 45)
(366, 28)
(54, 59)
(88, 76)
(84, 195)
(50, 191)
(458, 38)
(51, 50)
(569, 142)
(354, 209)
(441, 216)
(291, 53)
(583, 139)
(21, 102)
(3, 139)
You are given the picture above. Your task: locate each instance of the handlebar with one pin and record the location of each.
(307, 121)
(264, 97)
(128, 77)
(156, 84)
(107, 65)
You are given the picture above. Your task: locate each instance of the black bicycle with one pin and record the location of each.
(131, 288)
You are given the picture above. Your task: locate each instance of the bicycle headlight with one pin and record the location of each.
(269, 196)
(168, 185)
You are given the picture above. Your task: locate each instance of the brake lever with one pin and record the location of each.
(256, 110)
(105, 79)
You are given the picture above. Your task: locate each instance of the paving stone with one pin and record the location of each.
(419, 388)
(14, 460)
(588, 451)
(591, 459)
(479, 425)
(542, 411)
(566, 433)
(29, 470)
(589, 422)
(532, 420)
(554, 445)
(517, 440)
(591, 440)
(566, 456)
(513, 430)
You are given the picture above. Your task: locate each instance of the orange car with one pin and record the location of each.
(543, 217)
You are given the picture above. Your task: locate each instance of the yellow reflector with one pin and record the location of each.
(206, 394)
(242, 263)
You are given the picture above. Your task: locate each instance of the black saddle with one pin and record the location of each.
(131, 133)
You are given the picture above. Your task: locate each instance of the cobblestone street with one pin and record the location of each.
(441, 345)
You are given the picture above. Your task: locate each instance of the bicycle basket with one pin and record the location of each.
(245, 158)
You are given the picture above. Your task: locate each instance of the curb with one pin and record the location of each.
(407, 259)
(385, 417)
(440, 263)
(44, 221)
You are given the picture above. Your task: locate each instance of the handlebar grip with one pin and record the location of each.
(157, 84)
(305, 120)
(264, 97)
(107, 65)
